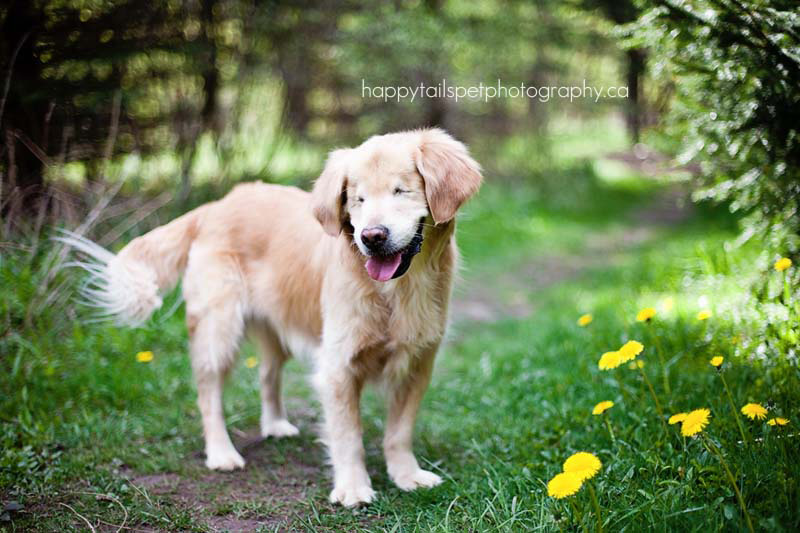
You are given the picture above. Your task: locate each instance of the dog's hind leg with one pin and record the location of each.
(214, 337)
(273, 357)
(215, 316)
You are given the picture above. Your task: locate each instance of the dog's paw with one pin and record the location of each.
(224, 459)
(416, 479)
(350, 496)
(278, 428)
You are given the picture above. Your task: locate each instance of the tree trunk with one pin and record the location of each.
(210, 70)
(295, 64)
(22, 121)
(636, 66)
(435, 108)
(208, 113)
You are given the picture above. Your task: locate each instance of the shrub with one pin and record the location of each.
(735, 65)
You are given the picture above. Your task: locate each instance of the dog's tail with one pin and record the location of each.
(127, 287)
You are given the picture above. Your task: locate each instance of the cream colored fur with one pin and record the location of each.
(288, 267)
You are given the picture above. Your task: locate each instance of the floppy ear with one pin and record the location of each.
(451, 176)
(328, 194)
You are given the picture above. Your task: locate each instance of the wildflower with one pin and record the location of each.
(678, 417)
(695, 422)
(585, 320)
(778, 421)
(630, 350)
(645, 314)
(705, 314)
(782, 264)
(251, 362)
(602, 407)
(667, 304)
(633, 365)
(717, 361)
(609, 360)
(144, 357)
(563, 485)
(753, 411)
(583, 464)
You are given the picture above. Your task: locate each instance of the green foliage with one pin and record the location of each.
(75, 82)
(227, 90)
(510, 400)
(735, 68)
(779, 315)
(554, 233)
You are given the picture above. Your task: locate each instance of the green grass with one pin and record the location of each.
(511, 398)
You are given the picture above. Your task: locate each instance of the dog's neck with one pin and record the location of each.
(437, 237)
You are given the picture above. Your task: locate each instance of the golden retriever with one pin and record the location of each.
(357, 274)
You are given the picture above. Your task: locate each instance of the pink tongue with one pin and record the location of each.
(383, 268)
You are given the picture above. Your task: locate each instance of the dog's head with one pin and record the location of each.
(384, 190)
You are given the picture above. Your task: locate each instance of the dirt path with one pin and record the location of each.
(283, 479)
(280, 478)
(508, 296)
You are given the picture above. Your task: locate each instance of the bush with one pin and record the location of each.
(735, 65)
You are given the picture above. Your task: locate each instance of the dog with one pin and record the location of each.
(357, 274)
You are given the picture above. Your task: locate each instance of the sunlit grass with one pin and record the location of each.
(510, 400)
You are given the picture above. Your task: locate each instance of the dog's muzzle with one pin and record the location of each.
(392, 266)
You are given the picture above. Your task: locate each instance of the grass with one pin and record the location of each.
(84, 425)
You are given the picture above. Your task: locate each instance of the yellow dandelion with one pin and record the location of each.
(144, 357)
(563, 485)
(717, 361)
(782, 264)
(633, 365)
(695, 422)
(753, 411)
(585, 320)
(645, 314)
(678, 417)
(251, 362)
(630, 350)
(735, 339)
(778, 421)
(609, 360)
(705, 314)
(583, 464)
(602, 407)
(667, 304)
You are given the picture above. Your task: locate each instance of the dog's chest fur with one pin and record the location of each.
(403, 319)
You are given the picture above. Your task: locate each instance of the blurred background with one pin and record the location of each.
(117, 116)
(177, 97)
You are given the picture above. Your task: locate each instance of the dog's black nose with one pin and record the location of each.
(375, 237)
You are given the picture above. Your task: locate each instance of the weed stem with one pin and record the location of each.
(733, 408)
(610, 431)
(621, 387)
(578, 517)
(660, 353)
(655, 399)
(713, 449)
(596, 509)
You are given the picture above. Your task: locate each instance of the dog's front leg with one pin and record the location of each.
(404, 398)
(339, 391)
